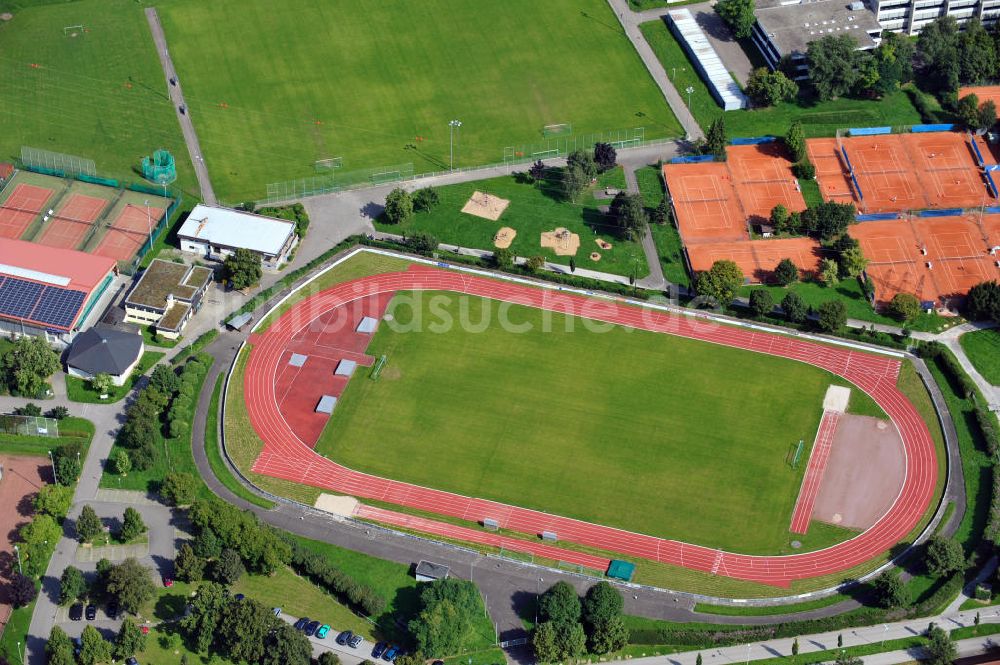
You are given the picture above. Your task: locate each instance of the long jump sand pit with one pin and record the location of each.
(336, 504)
(485, 205)
(561, 241)
(855, 495)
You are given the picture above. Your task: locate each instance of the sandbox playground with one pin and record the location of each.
(333, 363)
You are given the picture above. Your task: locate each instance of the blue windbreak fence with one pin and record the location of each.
(693, 159)
(940, 127)
(869, 131)
(992, 185)
(944, 212)
(877, 217)
(754, 140)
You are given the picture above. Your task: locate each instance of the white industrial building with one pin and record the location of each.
(215, 232)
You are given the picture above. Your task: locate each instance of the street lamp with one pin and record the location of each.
(17, 550)
(19, 654)
(149, 226)
(452, 126)
(53, 463)
(689, 90)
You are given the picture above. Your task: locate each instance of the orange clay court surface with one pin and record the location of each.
(898, 172)
(706, 203)
(763, 178)
(20, 208)
(757, 259)
(956, 250)
(72, 222)
(128, 232)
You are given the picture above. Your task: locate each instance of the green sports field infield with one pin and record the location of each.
(363, 79)
(658, 434)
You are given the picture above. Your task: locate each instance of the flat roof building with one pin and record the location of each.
(215, 232)
(166, 296)
(785, 29)
(48, 291)
(720, 83)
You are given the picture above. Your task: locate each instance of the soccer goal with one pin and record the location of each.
(328, 164)
(560, 129)
(73, 30)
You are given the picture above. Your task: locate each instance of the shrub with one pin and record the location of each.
(804, 170)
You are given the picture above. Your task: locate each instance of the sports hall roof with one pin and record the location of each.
(232, 229)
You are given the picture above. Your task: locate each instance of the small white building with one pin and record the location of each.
(102, 350)
(214, 232)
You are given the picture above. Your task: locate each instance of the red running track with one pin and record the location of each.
(456, 532)
(285, 456)
(813, 477)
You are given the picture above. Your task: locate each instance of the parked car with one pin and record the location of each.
(344, 637)
(390, 654)
(277, 611)
(76, 612)
(379, 649)
(311, 627)
(301, 623)
(91, 612)
(356, 641)
(132, 661)
(167, 582)
(239, 597)
(323, 631)
(112, 609)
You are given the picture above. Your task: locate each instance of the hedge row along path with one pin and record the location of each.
(285, 456)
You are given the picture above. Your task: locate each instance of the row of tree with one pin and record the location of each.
(569, 628)
(89, 525)
(94, 648)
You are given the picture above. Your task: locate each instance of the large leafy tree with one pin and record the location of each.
(38, 541)
(893, 60)
(59, 648)
(131, 583)
(228, 568)
(794, 307)
(607, 636)
(716, 138)
(977, 57)
(446, 615)
(738, 15)
(833, 65)
(398, 206)
(88, 525)
(201, 624)
(628, 213)
(22, 590)
(188, 566)
(796, 141)
(179, 488)
(983, 302)
(94, 648)
(761, 302)
(720, 282)
(242, 268)
(832, 315)
(944, 556)
(767, 88)
(54, 500)
(27, 364)
(130, 641)
(243, 629)
(558, 640)
(605, 156)
(601, 603)
(287, 646)
(72, 585)
(889, 591)
(560, 603)
(937, 54)
(786, 272)
(132, 525)
(940, 649)
(905, 306)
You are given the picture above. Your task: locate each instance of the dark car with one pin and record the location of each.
(112, 609)
(239, 596)
(379, 649)
(311, 627)
(344, 637)
(132, 661)
(301, 623)
(76, 612)
(390, 654)
(357, 640)
(91, 612)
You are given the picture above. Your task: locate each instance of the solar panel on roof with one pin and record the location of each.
(58, 307)
(18, 297)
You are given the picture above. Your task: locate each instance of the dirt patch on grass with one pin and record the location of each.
(864, 475)
(561, 241)
(487, 206)
(504, 237)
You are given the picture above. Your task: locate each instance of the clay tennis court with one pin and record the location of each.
(934, 258)
(990, 225)
(72, 222)
(757, 259)
(21, 208)
(763, 178)
(900, 172)
(128, 232)
(707, 207)
(286, 456)
(22, 478)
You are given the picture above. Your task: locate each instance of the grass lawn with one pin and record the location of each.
(533, 208)
(983, 349)
(79, 390)
(544, 424)
(214, 453)
(71, 430)
(173, 454)
(818, 118)
(99, 95)
(319, 80)
(849, 292)
(668, 241)
(301, 598)
(150, 338)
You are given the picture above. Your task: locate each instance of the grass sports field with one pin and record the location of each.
(362, 79)
(100, 94)
(633, 429)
